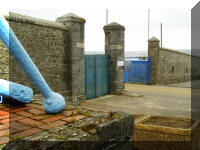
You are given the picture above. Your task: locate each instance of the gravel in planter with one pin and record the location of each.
(166, 129)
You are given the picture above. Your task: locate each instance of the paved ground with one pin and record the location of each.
(194, 84)
(19, 122)
(157, 100)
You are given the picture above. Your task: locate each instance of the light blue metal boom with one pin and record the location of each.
(53, 102)
(15, 91)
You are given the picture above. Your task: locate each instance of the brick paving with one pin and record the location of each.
(19, 122)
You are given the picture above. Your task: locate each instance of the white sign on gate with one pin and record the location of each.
(120, 63)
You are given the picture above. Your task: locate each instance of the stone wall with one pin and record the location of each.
(4, 62)
(46, 44)
(57, 49)
(170, 66)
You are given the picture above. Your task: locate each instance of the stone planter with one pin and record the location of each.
(95, 131)
(177, 133)
(137, 116)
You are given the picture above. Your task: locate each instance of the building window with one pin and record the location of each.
(172, 69)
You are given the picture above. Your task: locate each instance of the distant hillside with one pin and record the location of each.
(127, 54)
(134, 53)
(94, 52)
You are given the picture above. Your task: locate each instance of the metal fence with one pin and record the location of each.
(137, 70)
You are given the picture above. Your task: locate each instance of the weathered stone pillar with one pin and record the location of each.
(114, 47)
(75, 56)
(153, 46)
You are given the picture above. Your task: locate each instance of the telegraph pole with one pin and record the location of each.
(106, 16)
(148, 22)
(161, 34)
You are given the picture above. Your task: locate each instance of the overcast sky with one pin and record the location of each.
(133, 15)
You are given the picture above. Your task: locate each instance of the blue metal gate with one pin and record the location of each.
(137, 70)
(96, 75)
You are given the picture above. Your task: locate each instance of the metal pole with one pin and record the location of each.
(161, 33)
(53, 102)
(148, 22)
(106, 16)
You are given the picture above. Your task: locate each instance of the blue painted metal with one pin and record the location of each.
(90, 76)
(16, 91)
(96, 75)
(102, 75)
(137, 70)
(126, 76)
(1, 99)
(53, 102)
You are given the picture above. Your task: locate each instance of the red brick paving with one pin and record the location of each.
(4, 116)
(3, 112)
(39, 117)
(16, 118)
(54, 118)
(19, 126)
(67, 113)
(79, 117)
(4, 132)
(26, 132)
(36, 111)
(24, 113)
(4, 140)
(4, 121)
(52, 125)
(18, 109)
(28, 120)
(2, 127)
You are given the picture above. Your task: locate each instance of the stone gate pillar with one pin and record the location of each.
(75, 56)
(114, 47)
(153, 46)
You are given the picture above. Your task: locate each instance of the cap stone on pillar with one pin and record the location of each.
(154, 39)
(70, 17)
(113, 26)
(154, 42)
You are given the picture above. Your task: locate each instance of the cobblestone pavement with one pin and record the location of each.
(23, 121)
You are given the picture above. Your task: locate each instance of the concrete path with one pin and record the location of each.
(190, 84)
(157, 100)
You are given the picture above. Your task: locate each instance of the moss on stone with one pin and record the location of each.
(87, 114)
(72, 120)
(17, 138)
(61, 137)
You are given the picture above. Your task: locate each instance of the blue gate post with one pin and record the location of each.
(53, 102)
(114, 47)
